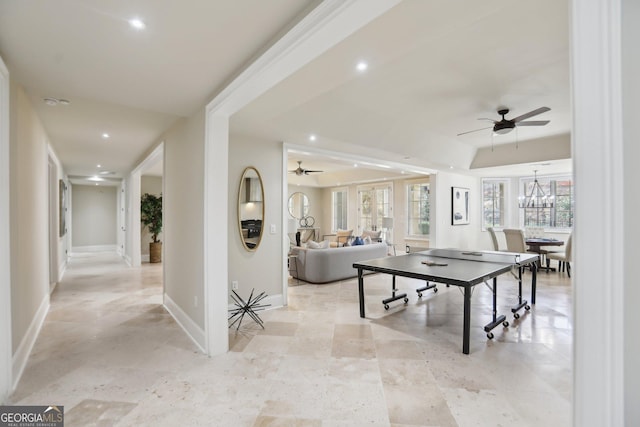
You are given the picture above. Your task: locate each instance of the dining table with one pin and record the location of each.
(535, 244)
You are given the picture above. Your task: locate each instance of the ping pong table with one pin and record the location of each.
(458, 268)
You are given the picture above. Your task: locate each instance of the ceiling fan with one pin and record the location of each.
(505, 125)
(300, 171)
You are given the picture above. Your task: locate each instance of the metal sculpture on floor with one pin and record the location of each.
(249, 307)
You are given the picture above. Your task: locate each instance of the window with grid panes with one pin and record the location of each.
(418, 209)
(493, 202)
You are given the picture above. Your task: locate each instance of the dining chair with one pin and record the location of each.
(515, 240)
(494, 239)
(563, 258)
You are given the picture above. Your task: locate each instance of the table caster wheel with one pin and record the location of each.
(406, 300)
(386, 306)
(505, 324)
(516, 316)
(435, 290)
(419, 294)
(527, 307)
(490, 335)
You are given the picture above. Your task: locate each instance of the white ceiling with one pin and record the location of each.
(435, 67)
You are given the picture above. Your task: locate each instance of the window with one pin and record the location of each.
(418, 209)
(373, 205)
(560, 215)
(493, 202)
(339, 209)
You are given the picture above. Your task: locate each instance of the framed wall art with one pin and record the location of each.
(459, 206)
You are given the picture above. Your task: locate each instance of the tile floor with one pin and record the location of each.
(111, 354)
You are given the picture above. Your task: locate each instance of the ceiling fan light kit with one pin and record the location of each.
(504, 126)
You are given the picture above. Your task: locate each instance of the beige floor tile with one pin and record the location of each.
(112, 355)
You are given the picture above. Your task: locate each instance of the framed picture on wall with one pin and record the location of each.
(459, 206)
(62, 194)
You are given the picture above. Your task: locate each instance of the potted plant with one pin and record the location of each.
(151, 217)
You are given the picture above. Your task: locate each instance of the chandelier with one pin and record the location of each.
(537, 198)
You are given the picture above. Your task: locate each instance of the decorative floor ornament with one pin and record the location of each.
(249, 308)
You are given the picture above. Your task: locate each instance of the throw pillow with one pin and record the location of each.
(375, 235)
(324, 244)
(313, 245)
(342, 236)
(358, 241)
(367, 240)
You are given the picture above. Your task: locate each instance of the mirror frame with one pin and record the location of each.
(289, 202)
(240, 195)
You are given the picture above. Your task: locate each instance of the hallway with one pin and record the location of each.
(112, 356)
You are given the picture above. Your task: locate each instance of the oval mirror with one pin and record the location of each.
(250, 208)
(298, 205)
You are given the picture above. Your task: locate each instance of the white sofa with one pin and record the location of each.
(331, 264)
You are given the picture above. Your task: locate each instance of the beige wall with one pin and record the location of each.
(183, 219)
(261, 269)
(94, 215)
(151, 185)
(29, 214)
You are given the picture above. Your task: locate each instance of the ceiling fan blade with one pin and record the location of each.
(531, 114)
(464, 133)
(533, 123)
(491, 120)
(310, 171)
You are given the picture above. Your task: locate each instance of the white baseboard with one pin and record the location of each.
(95, 248)
(144, 258)
(21, 355)
(127, 259)
(193, 331)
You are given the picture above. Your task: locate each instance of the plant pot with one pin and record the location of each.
(155, 252)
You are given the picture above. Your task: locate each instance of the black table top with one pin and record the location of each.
(461, 268)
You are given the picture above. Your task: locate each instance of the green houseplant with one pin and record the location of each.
(151, 217)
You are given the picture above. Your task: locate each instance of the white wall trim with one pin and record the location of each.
(284, 226)
(216, 244)
(23, 351)
(597, 147)
(94, 248)
(325, 26)
(190, 327)
(145, 258)
(6, 384)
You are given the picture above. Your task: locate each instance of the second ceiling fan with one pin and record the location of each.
(300, 171)
(504, 125)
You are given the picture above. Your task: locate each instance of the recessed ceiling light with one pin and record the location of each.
(99, 166)
(312, 137)
(96, 183)
(137, 24)
(95, 178)
(362, 66)
(355, 165)
(106, 135)
(106, 173)
(52, 102)
(402, 172)
(450, 167)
